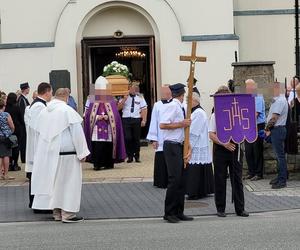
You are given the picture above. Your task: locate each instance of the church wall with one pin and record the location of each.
(265, 35)
(30, 20)
(205, 17)
(24, 65)
(263, 5)
(169, 21)
(128, 21)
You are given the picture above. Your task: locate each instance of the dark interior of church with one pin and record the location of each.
(138, 64)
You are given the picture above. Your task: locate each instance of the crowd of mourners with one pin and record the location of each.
(112, 131)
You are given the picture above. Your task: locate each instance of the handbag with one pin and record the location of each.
(11, 141)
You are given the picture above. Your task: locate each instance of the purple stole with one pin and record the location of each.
(102, 131)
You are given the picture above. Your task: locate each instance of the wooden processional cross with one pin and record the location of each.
(192, 59)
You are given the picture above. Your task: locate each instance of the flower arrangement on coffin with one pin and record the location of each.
(117, 75)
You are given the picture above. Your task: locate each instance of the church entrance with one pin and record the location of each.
(137, 53)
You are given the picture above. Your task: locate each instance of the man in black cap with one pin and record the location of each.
(23, 103)
(173, 123)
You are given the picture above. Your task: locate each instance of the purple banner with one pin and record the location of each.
(235, 117)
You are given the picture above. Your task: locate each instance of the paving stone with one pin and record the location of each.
(142, 200)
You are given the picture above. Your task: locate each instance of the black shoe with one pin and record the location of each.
(256, 178)
(278, 185)
(248, 177)
(37, 211)
(243, 214)
(171, 219)
(221, 214)
(273, 181)
(137, 160)
(184, 217)
(73, 220)
(193, 197)
(130, 159)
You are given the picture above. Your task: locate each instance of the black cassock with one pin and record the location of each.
(23, 103)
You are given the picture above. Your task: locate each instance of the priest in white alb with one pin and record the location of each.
(160, 176)
(57, 179)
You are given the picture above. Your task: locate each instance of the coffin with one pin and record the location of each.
(118, 84)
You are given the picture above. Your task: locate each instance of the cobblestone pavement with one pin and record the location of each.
(127, 192)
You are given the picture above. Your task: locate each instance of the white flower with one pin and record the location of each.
(115, 68)
(105, 68)
(114, 63)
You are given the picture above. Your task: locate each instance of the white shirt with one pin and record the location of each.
(291, 96)
(155, 133)
(139, 104)
(212, 124)
(172, 112)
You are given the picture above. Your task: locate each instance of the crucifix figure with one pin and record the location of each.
(192, 59)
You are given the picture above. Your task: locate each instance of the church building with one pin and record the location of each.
(70, 41)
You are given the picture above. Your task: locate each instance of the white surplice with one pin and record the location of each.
(57, 179)
(199, 139)
(155, 133)
(31, 117)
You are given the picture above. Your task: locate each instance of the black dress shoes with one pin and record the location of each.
(184, 217)
(243, 214)
(171, 219)
(273, 181)
(137, 160)
(278, 185)
(221, 214)
(130, 159)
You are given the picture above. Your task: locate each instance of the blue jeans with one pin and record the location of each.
(278, 135)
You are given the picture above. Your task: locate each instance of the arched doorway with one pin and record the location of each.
(100, 47)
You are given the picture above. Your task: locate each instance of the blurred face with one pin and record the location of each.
(48, 95)
(294, 82)
(194, 103)
(181, 98)
(132, 90)
(26, 91)
(166, 93)
(276, 90)
(250, 87)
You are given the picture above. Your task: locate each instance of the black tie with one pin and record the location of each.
(183, 112)
(132, 104)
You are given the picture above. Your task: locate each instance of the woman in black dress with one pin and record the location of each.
(14, 110)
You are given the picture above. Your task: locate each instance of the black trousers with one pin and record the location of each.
(254, 154)
(132, 133)
(22, 144)
(31, 197)
(224, 159)
(160, 176)
(174, 202)
(102, 154)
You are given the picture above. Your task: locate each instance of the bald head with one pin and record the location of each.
(250, 86)
(62, 94)
(165, 93)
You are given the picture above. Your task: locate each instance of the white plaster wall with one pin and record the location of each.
(263, 5)
(204, 17)
(130, 22)
(268, 38)
(24, 65)
(30, 20)
(169, 20)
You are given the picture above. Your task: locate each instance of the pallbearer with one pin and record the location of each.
(160, 177)
(173, 123)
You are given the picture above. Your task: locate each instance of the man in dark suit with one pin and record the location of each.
(23, 103)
